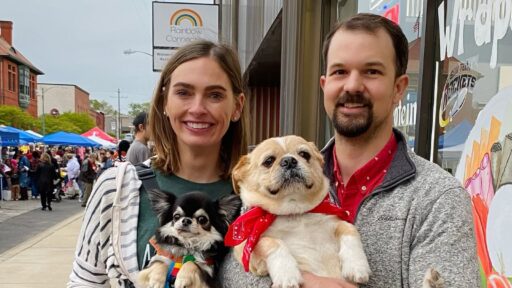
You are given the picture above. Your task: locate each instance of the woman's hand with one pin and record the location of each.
(313, 281)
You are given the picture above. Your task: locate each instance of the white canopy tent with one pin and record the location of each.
(34, 133)
(103, 143)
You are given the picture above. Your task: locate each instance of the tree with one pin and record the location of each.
(102, 106)
(15, 117)
(56, 123)
(136, 108)
(69, 122)
(82, 121)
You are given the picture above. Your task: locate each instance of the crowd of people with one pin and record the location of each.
(48, 173)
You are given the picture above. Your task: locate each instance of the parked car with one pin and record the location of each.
(128, 137)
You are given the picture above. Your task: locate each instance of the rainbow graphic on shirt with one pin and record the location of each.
(186, 16)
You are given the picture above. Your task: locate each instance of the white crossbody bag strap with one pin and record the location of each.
(116, 221)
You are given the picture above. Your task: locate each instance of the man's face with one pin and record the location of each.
(360, 87)
(142, 130)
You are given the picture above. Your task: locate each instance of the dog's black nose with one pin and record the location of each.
(186, 221)
(288, 162)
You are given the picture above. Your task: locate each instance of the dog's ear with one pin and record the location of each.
(238, 172)
(229, 206)
(161, 201)
(316, 153)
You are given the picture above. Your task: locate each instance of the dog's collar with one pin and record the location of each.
(253, 223)
(178, 260)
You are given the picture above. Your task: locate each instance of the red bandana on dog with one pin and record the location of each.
(252, 224)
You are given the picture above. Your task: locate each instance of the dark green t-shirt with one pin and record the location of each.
(148, 222)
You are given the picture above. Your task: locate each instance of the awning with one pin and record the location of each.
(65, 138)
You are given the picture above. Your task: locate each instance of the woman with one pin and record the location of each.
(15, 177)
(122, 149)
(198, 125)
(23, 167)
(45, 173)
(32, 173)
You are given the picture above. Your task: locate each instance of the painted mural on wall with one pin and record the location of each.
(485, 169)
(458, 87)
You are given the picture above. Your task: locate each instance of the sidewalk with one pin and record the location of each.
(44, 260)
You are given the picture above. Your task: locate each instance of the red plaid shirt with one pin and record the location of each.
(364, 180)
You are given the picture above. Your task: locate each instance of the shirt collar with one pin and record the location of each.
(373, 167)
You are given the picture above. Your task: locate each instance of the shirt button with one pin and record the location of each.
(389, 152)
(367, 177)
(385, 171)
(363, 188)
(376, 158)
(347, 212)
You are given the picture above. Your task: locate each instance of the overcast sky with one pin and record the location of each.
(81, 42)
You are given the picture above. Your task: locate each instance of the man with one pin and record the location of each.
(139, 151)
(87, 176)
(412, 215)
(73, 171)
(34, 162)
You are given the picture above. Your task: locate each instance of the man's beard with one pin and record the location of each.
(355, 126)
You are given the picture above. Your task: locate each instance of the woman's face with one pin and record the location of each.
(200, 103)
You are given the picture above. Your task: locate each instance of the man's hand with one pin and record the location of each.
(313, 281)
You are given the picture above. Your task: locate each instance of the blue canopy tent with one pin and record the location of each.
(24, 137)
(8, 138)
(65, 138)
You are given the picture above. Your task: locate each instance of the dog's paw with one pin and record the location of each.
(189, 276)
(433, 279)
(258, 266)
(287, 279)
(154, 276)
(357, 271)
(354, 264)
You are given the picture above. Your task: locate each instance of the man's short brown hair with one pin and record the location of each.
(372, 23)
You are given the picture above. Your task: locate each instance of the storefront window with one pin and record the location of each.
(407, 14)
(475, 120)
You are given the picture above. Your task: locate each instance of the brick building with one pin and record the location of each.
(99, 117)
(18, 76)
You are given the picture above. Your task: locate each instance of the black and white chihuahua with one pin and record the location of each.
(190, 238)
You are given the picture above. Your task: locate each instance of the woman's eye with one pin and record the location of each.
(181, 92)
(305, 155)
(216, 96)
(176, 217)
(269, 161)
(202, 220)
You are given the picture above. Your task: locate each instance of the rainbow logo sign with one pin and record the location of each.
(186, 15)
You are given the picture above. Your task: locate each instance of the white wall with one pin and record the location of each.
(61, 97)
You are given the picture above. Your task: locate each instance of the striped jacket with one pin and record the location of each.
(106, 250)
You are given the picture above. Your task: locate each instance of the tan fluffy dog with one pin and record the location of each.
(284, 176)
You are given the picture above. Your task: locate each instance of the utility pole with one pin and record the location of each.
(43, 116)
(118, 129)
(118, 115)
(44, 124)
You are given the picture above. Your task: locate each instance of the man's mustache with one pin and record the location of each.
(357, 98)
